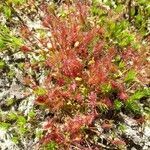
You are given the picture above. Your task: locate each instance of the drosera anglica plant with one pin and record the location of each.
(80, 75)
(83, 74)
(86, 74)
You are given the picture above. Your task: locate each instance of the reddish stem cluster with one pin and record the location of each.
(79, 64)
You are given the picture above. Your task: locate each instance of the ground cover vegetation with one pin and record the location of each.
(74, 74)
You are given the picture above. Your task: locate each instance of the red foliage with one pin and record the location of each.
(82, 11)
(118, 142)
(55, 99)
(97, 74)
(107, 125)
(133, 58)
(98, 49)
(79, 98)
(60, 81)
(140, 119)
(41, 99)
(71, 67)
(117, 86)
(77, 64)
(25, 32)
(123, 96)
(92, 99)
(74, 125)
(54, 136)
(25, 49)
(107, 102)
(47, 21)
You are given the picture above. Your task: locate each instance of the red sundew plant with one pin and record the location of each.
(80, 76)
